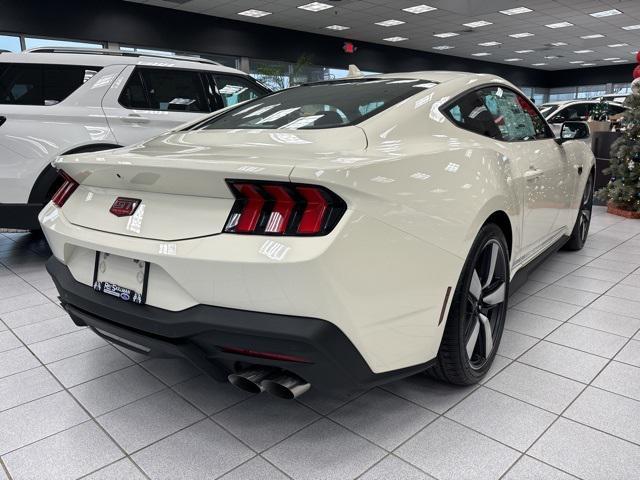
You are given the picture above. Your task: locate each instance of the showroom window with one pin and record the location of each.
(33, 42)
(234, 89)
(164, 89)
(562, 94)
(33, 84)
(591, 91)
(10, 43)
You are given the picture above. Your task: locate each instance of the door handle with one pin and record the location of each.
(532, 173)
(134, 118)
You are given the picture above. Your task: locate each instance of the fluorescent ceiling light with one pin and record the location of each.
(611, 59)
(550, 57)
(390, 23)
(254, 13)
(315, 6)
(419, 9)
(481, 54)
(512, 59)
(606, 13)
(588, 64)
(446, 35)
(489, 44)
(583, 51)
(477, 24)
(516, 11)
(337, 27)
(577, 61)
(615, 45)
(443, 47)
(525, 51)
(538, 64)
(395, 39)
(589, 37)
(521, 35)
(559, 44)
(620, 61)
(559, 25)
(631, 27)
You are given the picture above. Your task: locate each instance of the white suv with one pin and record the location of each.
(61, 101)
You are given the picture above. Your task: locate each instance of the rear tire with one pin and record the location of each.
(581, 228)
(476, 318)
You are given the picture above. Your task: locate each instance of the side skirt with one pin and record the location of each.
(522, 275)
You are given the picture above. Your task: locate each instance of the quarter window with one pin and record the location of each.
(34, 84)
(234, 89)
(575, 112)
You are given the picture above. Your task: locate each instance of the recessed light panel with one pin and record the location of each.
(583, 51)
(446, 34)
(550, 57)
(395, 39)
(521, 35)
(481, 54)
(588, 64)
(516, 11)
(512, 59)
(538, 64)
(631, 27)
(525, 51)
(489, 44)
(616, 45)
(559, 25)
(254, 13)
(443, 47)
(337, 27)
(478, 24)
(419, 9)
(315, 6)
(606, 13)
(559, 44)
(390, 23)
(575, 62)
(611, 59)
(620, 61)
(589, 37)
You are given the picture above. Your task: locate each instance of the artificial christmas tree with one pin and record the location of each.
(623, 190)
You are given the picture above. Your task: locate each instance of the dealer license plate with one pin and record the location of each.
(121, 277)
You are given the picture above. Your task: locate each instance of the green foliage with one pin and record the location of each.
(599, 112)
(623, 189)
(279, 76)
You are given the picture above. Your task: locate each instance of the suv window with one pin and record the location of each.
(35, 84)
(166, 90)
(575, 112)
(235, 89)
(496, 112)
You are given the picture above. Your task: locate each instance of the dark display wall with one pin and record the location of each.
(155, 27)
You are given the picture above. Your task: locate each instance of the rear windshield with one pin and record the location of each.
(34, 84)
(319, 105)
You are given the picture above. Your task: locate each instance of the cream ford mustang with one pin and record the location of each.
(339, 234)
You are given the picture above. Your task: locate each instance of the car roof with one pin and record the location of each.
(571, 102)
(440, 76)
(103, 57)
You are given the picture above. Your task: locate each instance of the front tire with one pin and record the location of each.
(476, 318)
(581, 228)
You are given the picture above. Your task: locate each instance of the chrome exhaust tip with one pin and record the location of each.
(285, 385)
(250, 380)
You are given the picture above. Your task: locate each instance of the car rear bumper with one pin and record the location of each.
(201, 333)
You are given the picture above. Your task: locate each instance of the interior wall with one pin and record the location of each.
(156, 27)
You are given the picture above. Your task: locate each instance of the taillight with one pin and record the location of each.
(279, 208)
(68, 186)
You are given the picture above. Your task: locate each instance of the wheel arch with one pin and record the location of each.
(48, 180)
(501, 219)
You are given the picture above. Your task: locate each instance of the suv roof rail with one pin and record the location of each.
(121, 53)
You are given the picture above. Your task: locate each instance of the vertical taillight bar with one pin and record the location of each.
(68, 186)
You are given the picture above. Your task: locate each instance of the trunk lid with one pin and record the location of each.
(179, 178)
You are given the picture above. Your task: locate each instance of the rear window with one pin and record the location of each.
(319, 105)
(34, 84)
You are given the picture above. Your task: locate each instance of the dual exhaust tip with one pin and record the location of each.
(279, 383)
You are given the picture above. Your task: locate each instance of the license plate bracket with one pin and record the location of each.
(135, 277)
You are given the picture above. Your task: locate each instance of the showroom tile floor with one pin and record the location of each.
(562, 400)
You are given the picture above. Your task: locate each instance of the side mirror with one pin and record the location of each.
(573, 131)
